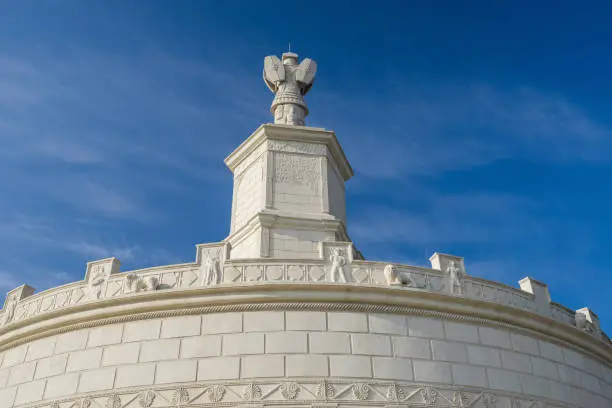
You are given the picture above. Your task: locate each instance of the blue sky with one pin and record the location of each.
(477, 129)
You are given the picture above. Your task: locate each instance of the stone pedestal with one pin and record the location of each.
(288, 193)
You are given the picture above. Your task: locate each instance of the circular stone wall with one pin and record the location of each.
(167, 350)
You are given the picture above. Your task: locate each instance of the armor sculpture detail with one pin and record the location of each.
(289, 82)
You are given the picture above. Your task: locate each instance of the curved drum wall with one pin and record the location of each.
(300, 358)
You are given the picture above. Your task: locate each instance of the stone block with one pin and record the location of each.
(569, 375)
(141, 330)
(490, 336)
(243, 343)
(262, 366)
(347, 322)
(15, 356)
(4, 375)
(72, 341)
(432, 371)
(387, 323)
(159, 350)
(516, 361)
(533, 385)
(121, 354)
(135, 375)
(525, 344)
(201, 346)
(219, 323)
(412, 347)
(307, 365)
(22, 373)
(61, 385)
(573, 359)
(7, 396)
(371, 344)
(425, 327)
(264, 321)
(461, 332)
(540, 292)
(503, 380)
(329, 343)
(51, 366)
(30, 392)
(392, 368)
(551, 351)
(350, 366)
(219, 368)
(468, 375)
(562, 392)
(176, 371)
(591, 383)
(312, 321)
(105, 335)
(84, 360)
(97, 380)
(544, 368)
(485, 356)
(40, 349)
(181, 326)
(286, 342)
(449, 351)
(593, 367)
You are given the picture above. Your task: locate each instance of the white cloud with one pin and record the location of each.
(431, 129)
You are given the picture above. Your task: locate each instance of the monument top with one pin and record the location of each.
(289, 82)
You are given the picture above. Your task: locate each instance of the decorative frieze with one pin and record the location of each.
(312, 392)
(336, 265)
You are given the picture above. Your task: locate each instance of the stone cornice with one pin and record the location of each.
(292, 133)
(296, 296)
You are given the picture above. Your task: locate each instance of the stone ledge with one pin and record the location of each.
(289, 297)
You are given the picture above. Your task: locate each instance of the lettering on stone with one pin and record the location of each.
(297, 170)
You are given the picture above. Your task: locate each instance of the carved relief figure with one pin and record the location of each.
(9, 309)
(135, 283)
(391, 275)
(338, 262)
(211, 269)
(455, 278)
(396, 279)
(96, 280)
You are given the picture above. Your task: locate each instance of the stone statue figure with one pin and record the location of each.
(289, 82)
(9, 310)
(97, 279)
(391, 275)
(211, 271)
(455, 278)
(338, 261)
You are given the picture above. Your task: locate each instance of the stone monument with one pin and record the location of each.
(285, 311)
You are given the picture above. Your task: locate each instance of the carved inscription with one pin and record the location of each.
(297, 170)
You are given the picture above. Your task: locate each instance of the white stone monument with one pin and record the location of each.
(286, 311)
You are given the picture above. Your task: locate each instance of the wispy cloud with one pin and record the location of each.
(444, 219)
(425, 130)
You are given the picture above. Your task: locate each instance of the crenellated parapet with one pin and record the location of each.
(337, 265)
